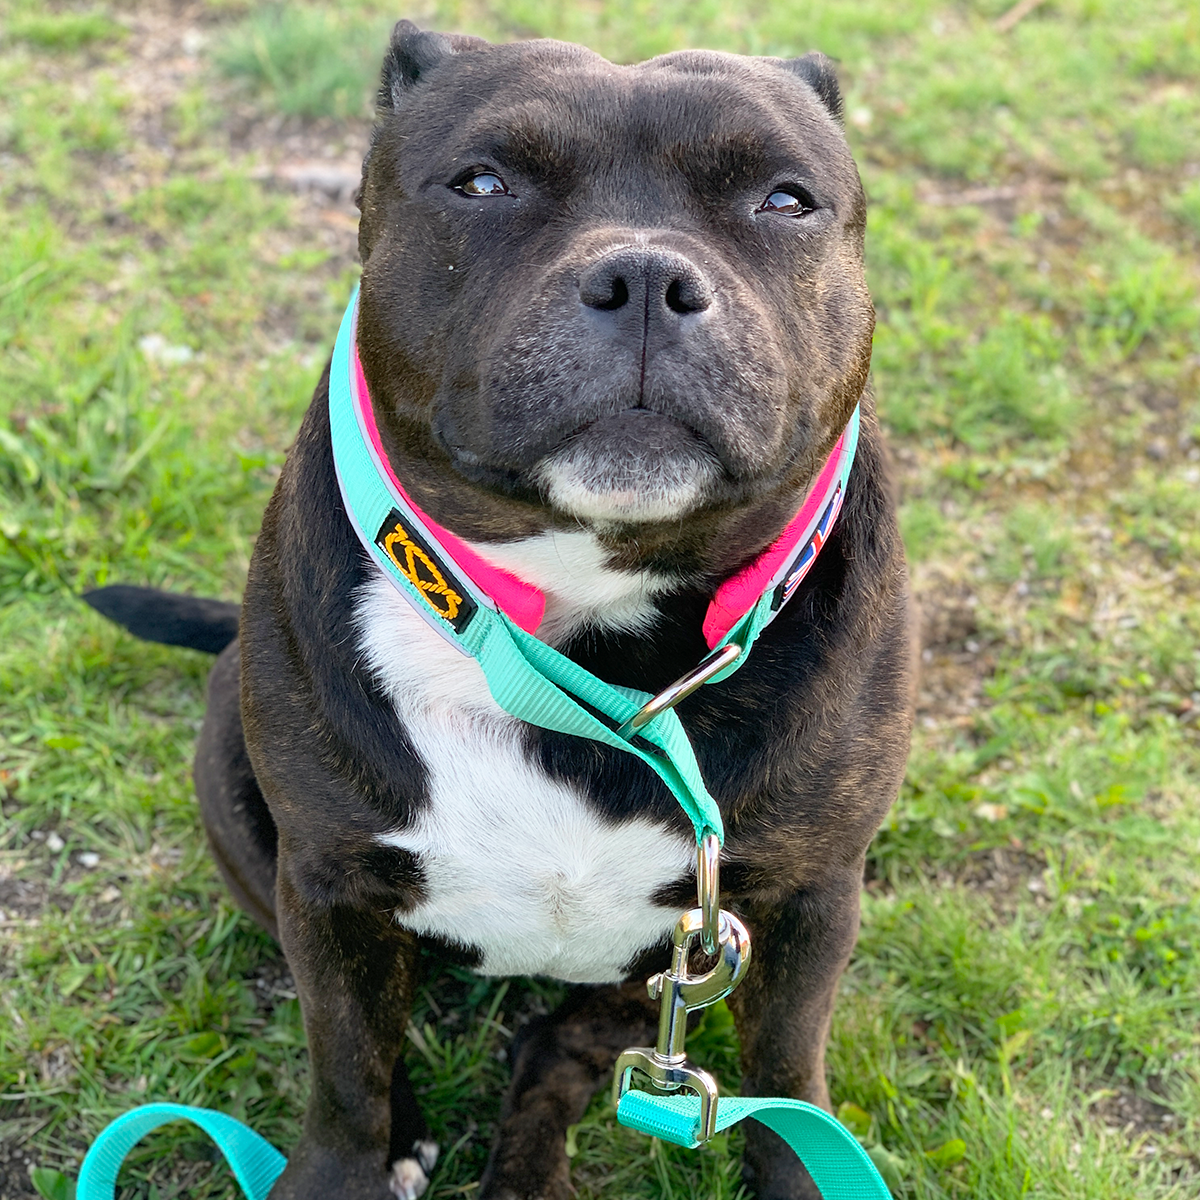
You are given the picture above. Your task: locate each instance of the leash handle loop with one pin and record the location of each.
(255, 1162)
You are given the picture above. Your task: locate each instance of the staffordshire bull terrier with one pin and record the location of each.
(612, 323)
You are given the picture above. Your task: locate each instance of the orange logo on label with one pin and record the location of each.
(421, 571)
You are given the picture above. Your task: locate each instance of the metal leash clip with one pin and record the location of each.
(665, 1069)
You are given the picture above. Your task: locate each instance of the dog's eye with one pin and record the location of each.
(484, 184)
(792, 203)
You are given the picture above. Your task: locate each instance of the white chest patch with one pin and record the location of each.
(518, 864)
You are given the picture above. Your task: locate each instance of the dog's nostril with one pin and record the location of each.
(618, 296)
(604, 289)
(684, 299)
(666, 282)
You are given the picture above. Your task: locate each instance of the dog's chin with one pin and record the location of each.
(630, 470)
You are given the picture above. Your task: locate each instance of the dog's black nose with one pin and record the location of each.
(645, 276)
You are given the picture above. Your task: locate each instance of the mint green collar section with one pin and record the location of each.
(527, 678)
(831, 1153)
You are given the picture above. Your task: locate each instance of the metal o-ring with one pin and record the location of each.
(683, 687)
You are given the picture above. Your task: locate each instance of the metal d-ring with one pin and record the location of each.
(684, 686)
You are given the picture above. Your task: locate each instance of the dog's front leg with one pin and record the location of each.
(354, 971)
(782, 1012)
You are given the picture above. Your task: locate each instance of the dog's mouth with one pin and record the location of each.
(634, 466)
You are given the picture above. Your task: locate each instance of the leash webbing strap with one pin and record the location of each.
(255, 1162)
(839, 1166)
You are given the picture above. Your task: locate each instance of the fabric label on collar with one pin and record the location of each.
(419, 563)
(807, 556)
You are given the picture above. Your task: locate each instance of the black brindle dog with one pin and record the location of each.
(612, 320)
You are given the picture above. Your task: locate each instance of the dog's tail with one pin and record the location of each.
(167, 617)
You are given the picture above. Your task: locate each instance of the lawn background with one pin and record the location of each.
(176, 245)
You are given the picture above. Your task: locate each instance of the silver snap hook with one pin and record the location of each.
(665, 1067)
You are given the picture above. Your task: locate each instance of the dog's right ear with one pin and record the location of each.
(412, 54)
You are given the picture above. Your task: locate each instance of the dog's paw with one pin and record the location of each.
(410, 1176)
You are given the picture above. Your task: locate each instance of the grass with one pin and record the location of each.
(65, 30)
(308, 62)
(1021, 1018)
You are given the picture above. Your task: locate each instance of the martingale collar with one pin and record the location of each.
(491, 615)
(454, 579)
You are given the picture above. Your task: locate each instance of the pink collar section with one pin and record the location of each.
(525, 604)
(739, 593)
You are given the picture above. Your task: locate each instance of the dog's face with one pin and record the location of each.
(622, 295)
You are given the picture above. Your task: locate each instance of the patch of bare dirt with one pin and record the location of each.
(25, 890)
(16, 1159)
(271, 983)
(34, 873)
(954, 661)
(21, 898)
(169, 49)
(156, 71)
(1131, 1115)
(1005, 874)
(1150, 1126)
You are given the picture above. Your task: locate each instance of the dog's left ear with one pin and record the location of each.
(817, 70)
(412, 54)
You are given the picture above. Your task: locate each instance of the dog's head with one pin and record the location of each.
(615, 295)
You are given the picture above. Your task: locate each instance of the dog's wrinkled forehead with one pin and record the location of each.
(565, 119)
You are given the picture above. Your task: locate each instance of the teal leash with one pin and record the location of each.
(830, 1153)
(838, 1164)
(535, 683)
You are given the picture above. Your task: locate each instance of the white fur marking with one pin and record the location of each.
(410, 1176)
(575, 484)
(516, 863)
